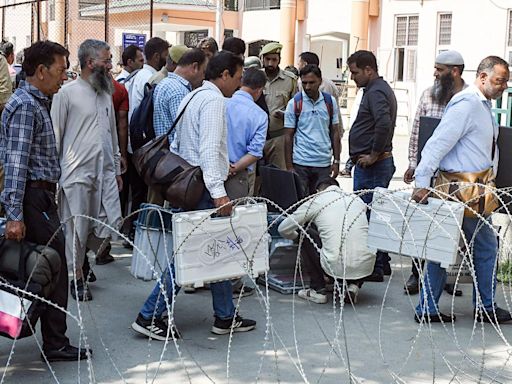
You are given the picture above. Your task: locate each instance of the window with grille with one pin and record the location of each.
(255, 5)
(406, 42)
(509, 28)
(445, 29)
(91, 9)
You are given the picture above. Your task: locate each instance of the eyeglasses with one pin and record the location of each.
(106, 61)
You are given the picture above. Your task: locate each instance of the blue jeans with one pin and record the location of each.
(483, 246)
(378, 175)
(222, 292)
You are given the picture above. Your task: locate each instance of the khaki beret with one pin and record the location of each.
(176, 52)
(271, 48)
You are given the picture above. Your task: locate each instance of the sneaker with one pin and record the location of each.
(345, 173)
(189, 289)
(154, 328)
(312, 295)
(82, 292)
(245, 291)
(223, 327)
(351, 294)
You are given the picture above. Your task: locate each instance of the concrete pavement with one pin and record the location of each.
(377, 341)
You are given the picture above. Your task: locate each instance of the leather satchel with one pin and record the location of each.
(25, 267)
(180, 183)
(476, 189)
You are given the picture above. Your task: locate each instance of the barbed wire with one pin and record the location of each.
(337, 351)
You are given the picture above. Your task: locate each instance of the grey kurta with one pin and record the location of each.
(86, 138)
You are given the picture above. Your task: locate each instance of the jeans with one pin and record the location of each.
(222, 292)
(310, 176)
(377, 175)
(483, 247)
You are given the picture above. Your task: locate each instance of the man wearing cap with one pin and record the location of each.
(280, 88)
(168, 94)
(448, 69)
(175, 53)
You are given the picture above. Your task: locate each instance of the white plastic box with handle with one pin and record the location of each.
(424, 231)
(209, 249)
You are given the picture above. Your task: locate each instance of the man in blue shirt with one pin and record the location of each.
(313, 137)
(465, 141)
(188, 75)
(247, 130)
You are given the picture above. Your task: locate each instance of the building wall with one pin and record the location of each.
(478, 31)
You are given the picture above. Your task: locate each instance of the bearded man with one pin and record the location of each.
(448, 67)
(86, 137)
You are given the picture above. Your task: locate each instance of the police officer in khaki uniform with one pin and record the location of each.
(280, 88)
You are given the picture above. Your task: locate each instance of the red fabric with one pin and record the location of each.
(120, 97)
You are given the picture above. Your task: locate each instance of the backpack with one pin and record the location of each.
(141, 122)
(297, 106)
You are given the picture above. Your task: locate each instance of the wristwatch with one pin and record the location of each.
(336, 162)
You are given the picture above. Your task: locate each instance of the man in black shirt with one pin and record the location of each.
(371, 135)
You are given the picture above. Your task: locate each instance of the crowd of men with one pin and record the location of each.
(66, 153)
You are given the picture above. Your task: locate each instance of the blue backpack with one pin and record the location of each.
(297, 106)
(141, 122)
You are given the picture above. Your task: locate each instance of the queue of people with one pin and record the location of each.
(66, 153)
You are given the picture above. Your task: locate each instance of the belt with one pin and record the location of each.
(382, 156)
(42, 184)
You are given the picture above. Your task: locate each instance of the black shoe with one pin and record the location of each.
(386, 269)
(245, 291)
(83, 293)
(412, 286)
(90, 277)
(67, 353)
(104, 259)
(154, 328)
(223, 327)
(435, 318)
(501, 315)
(377, 277)
(127, 245)
(449, 288)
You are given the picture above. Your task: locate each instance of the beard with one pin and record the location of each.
(443, 89)
(269, 70)
(100, 81)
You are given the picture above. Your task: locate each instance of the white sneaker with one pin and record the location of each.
(312, 295)
(351, 294)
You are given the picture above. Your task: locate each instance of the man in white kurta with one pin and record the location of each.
(341, 232)
(86, 137)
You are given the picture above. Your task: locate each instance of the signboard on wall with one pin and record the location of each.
(137, 39)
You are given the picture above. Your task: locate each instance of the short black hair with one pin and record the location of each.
(130, 53)
(254, 78)
(310, 58)
(210, 44)
(192, 56)
(234, 45)
(311, 68)
(155, 45)
(220, 62)
(41, 52)
(326, 182)
(363, 59)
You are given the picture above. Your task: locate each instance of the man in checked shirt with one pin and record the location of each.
(448, 69)
(29, 155)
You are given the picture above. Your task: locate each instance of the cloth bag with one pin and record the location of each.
(179, 182)
(476, 189)
(24, 268)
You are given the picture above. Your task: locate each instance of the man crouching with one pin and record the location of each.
(337, 224)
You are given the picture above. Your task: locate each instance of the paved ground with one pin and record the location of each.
(377, 341)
